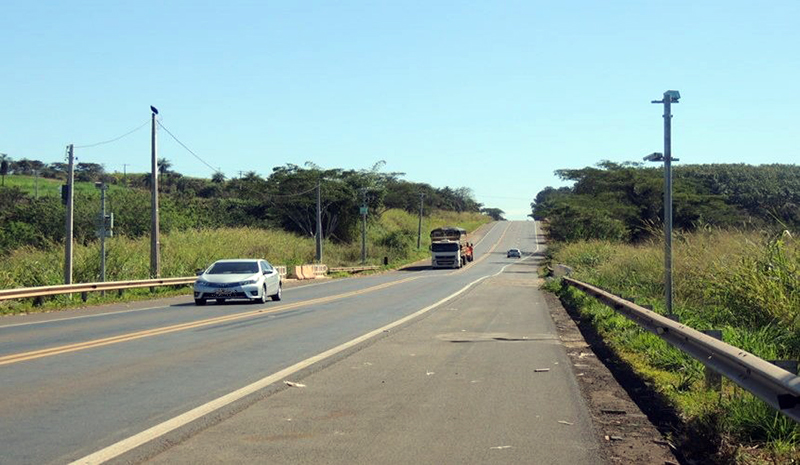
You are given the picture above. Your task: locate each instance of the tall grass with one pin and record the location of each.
(745, 283)
(183, 252)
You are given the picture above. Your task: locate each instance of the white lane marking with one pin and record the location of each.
(126, 445)
(487, 233)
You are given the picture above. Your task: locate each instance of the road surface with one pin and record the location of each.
(431, 366)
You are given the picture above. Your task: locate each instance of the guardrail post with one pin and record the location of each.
(38, 301)
(788, 365)
(120, 292)
(84, 296)
(713, 379)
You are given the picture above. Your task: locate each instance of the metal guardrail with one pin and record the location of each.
(353, 269)
(22, 292)
(775, 386)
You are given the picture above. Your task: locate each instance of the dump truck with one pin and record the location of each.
(450, 248)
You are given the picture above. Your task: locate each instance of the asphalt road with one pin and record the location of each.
(455, 382)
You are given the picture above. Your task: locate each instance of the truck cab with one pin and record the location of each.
(446, 254)
(449, 247)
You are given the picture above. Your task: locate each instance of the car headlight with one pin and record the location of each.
(249, 281)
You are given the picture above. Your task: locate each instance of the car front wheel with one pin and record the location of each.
(263, 298)
(277, 296)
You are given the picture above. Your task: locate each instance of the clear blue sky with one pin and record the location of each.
(491, 95)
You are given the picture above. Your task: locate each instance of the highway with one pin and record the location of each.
(417, 365)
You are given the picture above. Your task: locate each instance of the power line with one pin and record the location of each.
(187, 148)
(292, 195)
(111, 140)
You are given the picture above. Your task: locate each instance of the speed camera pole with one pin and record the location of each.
(155, 262)
(670, 97)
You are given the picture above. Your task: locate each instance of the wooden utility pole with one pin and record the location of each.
(69, 222)
(155, 257)
(319, 222)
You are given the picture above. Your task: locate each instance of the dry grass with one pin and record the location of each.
(745, 283)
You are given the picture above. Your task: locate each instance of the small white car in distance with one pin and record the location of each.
(514, 253)
(249, 279)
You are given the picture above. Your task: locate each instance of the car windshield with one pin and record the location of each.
(234, 268)
(445, 247)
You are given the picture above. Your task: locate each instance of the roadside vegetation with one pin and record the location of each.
(393, 236)
(734, 269)
(202, 220)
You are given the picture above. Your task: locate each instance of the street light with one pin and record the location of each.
(670, 97)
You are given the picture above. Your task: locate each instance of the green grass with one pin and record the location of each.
(49, 187)
(183, 252)
(745, 283)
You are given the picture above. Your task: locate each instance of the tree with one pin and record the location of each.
(495, 213)
(218, 177)
(87, 172)
(164, 166)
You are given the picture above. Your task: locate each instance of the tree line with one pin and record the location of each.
(285, 199)
(624, 202)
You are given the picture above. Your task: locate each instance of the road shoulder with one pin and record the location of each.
(626, 434)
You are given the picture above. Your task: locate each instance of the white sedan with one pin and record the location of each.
(254, 280)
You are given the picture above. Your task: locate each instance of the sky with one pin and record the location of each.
(494, 96)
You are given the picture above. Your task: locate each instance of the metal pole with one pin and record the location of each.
(103, 189)
(419, 225)
(155, 262)
(69, 222)
(668, 202)
(319, 222)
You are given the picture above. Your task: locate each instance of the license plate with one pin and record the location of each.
(224, 292)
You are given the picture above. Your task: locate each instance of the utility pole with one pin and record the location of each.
(155, 258)
(363, 226)
(102, 232)
(69, 223)
(670, 97)
(125, 174)
(319, 221)
(419, 226)
(3, 167)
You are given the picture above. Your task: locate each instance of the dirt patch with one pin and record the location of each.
(627, 434)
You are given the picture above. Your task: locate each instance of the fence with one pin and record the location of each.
(775, 386)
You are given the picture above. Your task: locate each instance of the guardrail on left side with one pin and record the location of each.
(23, 292)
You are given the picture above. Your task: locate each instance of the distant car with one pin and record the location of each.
(253, 280)
(514, 253)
